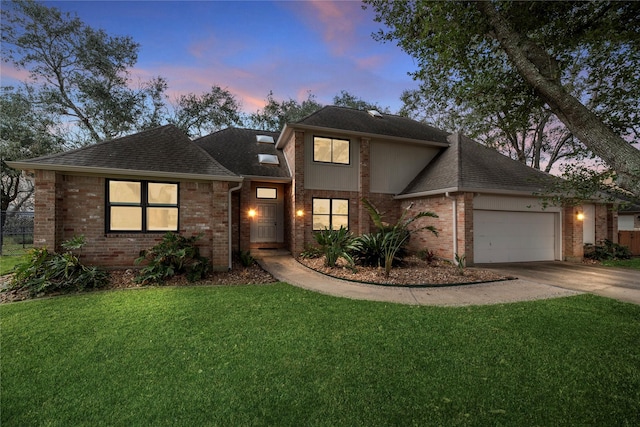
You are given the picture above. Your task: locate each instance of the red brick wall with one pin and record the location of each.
(572, 236)
(606, 223)
(442, 245)
(69, 205)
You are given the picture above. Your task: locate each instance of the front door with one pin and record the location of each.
(265, 226)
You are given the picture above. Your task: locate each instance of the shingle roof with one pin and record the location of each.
(237, 150)
(164, 149)
(469, 166)
(350, 119)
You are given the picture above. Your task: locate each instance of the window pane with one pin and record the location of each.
(124, 192)
(162, 219)
(163, 194)
(125, 218)
(341, 151)
(321, 149)
(321, 206)
(340, 207)
(340, 220)
(266, 193)
(320, 222)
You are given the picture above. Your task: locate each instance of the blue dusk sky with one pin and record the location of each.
(253, 47)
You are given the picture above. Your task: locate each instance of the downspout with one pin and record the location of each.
(454, 206)
(231, 190)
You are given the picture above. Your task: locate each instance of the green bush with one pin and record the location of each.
(606, 250)
(335, 244)
(174, 255)
(391, 239)
(45, 271)
(245, 258)
(427, 255)
(311, 252)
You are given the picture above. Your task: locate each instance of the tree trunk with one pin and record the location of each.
(533, 65)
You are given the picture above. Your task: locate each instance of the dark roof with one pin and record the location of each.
(165, 149)
(469, 166)
(350, 119)
(237, 150)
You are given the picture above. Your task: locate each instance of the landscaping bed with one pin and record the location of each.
(123, 279)
(413, 272)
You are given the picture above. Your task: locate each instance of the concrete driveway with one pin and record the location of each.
(618, 283)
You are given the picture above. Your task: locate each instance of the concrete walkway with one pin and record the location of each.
(286, 269)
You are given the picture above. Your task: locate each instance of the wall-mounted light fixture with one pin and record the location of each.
(580, 216)
(299, 212)
(252, 213)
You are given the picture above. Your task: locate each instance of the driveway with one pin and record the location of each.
(618, 283)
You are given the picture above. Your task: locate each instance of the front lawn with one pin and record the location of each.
(279, 355)
(8, 262)
(626, 263)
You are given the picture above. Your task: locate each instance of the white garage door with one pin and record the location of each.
(504, 236)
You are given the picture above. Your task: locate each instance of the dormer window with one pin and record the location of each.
(265, 139)
(268, 159)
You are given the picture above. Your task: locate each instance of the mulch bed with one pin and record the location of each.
(413, 272)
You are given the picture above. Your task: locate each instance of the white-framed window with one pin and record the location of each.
(141, 206)
(330, 213)
(331, 150)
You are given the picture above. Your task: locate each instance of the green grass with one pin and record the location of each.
(283, 356)
(8, 262)
(626, 263)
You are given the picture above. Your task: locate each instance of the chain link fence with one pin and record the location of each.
(16, 233)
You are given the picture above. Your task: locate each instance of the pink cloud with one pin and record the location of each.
(336, 20)
(9, 75)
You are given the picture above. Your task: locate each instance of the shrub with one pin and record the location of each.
(45, 271)
(335, 244)
(174, 255)
(427, 255)
(606, 250)
(393, 238)
(311, 252)
(245, 258)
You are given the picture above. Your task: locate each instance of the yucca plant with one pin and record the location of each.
(396, 236)
(335, 244)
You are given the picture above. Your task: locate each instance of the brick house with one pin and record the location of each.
(246, 189)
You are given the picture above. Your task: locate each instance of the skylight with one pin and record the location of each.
(268, 159)
(374, 113)
(265, 139)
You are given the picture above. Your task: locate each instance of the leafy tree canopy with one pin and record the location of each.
(579, 60)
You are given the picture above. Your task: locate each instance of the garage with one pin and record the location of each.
(509, 236)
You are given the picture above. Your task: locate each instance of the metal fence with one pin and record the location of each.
(16, 233)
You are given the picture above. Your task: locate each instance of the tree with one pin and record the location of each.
(346, 99)
(275, 114)
(79, 73)
(24, 133)
(198, 115)
(533, 48)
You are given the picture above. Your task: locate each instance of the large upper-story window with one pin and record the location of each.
(142, 206)
(330, 213)
(330, 150)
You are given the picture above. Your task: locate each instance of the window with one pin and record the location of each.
(330, 150)
(141, 206)
(330, 213)
(266, 193)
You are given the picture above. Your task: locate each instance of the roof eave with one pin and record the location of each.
(122, 172)
(368, 135)
(468, 190)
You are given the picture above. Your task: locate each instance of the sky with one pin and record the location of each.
(254, 47)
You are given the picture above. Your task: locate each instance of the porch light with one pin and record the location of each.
(580, 216)
(252, 213)
(299, 212)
